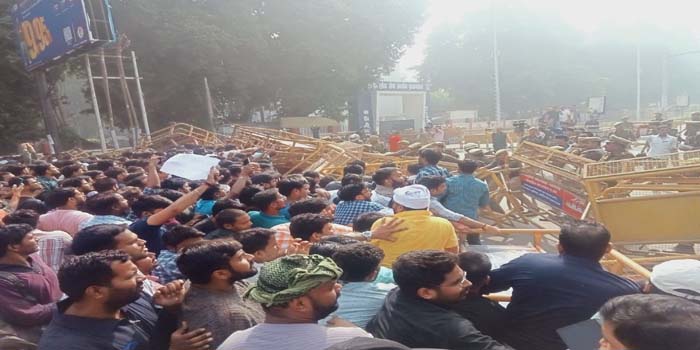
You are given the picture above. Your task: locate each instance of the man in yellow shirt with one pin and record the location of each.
(422, 230)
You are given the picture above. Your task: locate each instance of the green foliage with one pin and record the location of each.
(300, 56)
(19, 111)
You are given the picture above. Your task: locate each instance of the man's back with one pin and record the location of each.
(301, 336)
(423, 231)
(417, 323)
(550, 292)
(465, 195)
(63, 220)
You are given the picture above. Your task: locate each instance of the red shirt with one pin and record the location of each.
(394, 143)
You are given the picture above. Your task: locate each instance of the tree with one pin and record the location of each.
(301, 56)
(19, 111)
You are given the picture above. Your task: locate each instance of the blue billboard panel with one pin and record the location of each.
(50, 29)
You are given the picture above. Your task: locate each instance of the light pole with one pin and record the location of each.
(639, 84)
(496, 73)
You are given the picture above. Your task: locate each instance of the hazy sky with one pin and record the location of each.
(584, 15)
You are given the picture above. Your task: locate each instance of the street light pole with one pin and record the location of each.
(639, 84)
(496, 73)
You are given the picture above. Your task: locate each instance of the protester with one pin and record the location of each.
(310, 227)
(208, 224)
(650, 322)
(175, 240)
(293, 190)
(466, 195)
(46, 174)
(262, 245)
(552, 291)
(362, 295)
(214, 301)
(28, 287)
(355, 200)
(229, 223)
(295, 291)
(421, 230)
(429, 159)
(677, 278)
(269, 203)
(53, 245)
(386, 180)
(106, 208)
(416, 314)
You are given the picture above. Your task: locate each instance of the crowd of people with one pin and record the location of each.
(113, 253)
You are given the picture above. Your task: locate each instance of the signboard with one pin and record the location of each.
(49, 30)
(554, 196)
(596, 104)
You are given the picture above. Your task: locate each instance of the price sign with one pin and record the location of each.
(49, 30)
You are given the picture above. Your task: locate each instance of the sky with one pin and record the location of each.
(584, 15)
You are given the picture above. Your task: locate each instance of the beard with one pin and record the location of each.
(237, 276)
(120, 297)
(323, 311)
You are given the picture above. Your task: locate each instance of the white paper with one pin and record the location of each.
(189, 166)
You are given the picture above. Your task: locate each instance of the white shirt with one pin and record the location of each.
(296, 336)
(661, 145)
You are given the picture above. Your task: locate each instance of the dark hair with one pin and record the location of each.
(304, 225)
(349, 192)
(476, 264)
(364, 221)
(102, 203)
(432, 182)
(422, 269)
(311, 174)
(584, 240)
(180, 233)
(201, 259)
(113, 172)
(96, 238)
(14, 169)
(149, 203)
(431, 156)
(12, 234)
(225, 203)
(33, 204)
(382, 175)
(68, 170)
(40, 168)
(653, 322)
(92, 269)
(72, 182)
(387, 165)
(22, 216)
(262, 178)
(324, 248)
(130, 193)
(312, 205)
(358, 261)
(467, 166)
(139, 180)
(353, 169)
(172, 195)
(105, 184)
(286, 186)
(210, 193)
(174, 183)
(413, 169)
(255, 239)
(21, 180)
(340, 239)
(247, 194)
(350, 179)
(358, 162)
(325, 181)
(228, 216)
(263, 199)
(104, 164)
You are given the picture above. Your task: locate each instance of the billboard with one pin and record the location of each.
(49, 30)
(554, 195)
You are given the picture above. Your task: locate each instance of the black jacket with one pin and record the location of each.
(417, 323)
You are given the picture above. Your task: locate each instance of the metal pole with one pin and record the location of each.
(95, 106)
(664, 83)
(639, 84)
(142, 103)
(496, 73)
(108, 96)
(210, 109)
(47, 110)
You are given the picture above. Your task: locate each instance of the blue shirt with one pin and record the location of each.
(431, 170)
(263, 220)
(104, 219)
(552, 291)
(204, 207)
(465, 195)
(347, 211)
(167, 270)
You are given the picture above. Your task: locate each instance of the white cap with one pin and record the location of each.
(678, 277)
(413, 196)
